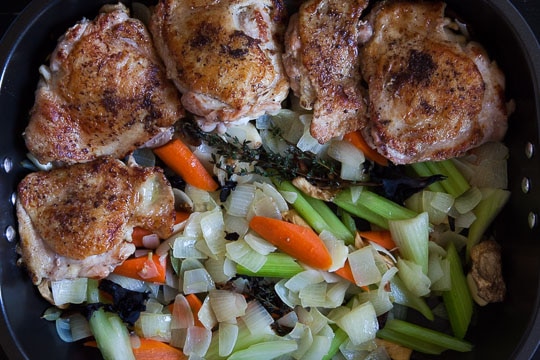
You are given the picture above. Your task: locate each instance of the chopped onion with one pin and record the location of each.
(289, 123)
(337, 249)
(240, 252)
(206, 314)
(197, 341)
(335, 294)
(73, 328)
(182, 316)
(307, 142)
(52, 313)
(352, 172)
(257, 318)
(278, 198)
(444, 282)
(360, 323)
(197, 281)
(240, 199)
(227, 305)
(185, 247)
(263, 205)
(319, 348)
(259, 244)
(213, 230)
(227, 335)
(154, 326)
(69, 291)
(245, 133)
(379, 299)
(289, 320)
(235, 224)
(468, 200)
(363, 266)
(303, 279)
(151, 241)
(413, 277)
(303, 336)
(128, 283)
(313, 294)
(289, 298)
(345, 152)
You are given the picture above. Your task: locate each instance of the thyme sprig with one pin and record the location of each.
(292, 163)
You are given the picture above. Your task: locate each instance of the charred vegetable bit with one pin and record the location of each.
(127, 304)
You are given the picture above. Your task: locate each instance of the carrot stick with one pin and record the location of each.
(195, 304)
(382, 237)
(157, 350)
(357, 140)
(150, 268)
(178, 156)
(298, 241)
(181, 216)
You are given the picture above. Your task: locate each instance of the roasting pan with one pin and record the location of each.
(509, 330)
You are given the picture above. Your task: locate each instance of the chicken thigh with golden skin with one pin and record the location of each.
(321, 59)
(224, 56)
(76, 221)
(433, 94)
(104, 93)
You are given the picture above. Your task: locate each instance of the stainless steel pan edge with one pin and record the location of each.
(506, 331)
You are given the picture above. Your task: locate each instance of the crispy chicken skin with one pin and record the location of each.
(76, 221)
(432, 94)
(105, 92)
(224, 56)
(321, 59)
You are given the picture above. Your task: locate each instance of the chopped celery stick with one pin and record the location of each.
(485, 212)
(423, 170)
(454, 184)
(428, 335)
(265, 350)
(348, 221)
(339, 338)
(111, 335)
(334, 223)
(405, 297)
(277, 265)
(412, 237)
(312, 217)
(361, 211)
(409, 341)
(458, 300)
(92, 291)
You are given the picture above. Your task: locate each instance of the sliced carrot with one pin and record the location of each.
(157, 350)
(179, 157)
(358, 140)
(138, 234)
(382, 237)
(151, 350)
(195, 304)
(181, 216)
(298, 241)
(150, 268)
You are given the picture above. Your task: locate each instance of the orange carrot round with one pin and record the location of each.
(157, 350)
(357, 140)
(298, 241)
(150, 268)
(179, 157)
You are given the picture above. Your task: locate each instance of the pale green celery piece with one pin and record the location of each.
(278, 265)
(360, 211)
(334, 223)
(92, 291)
(339, 338)
(423, 170)
(485, 212)
(303, 207)
(265, 350)
(348, 220)
(409, 342)
(458, 300)
(405, 297)
(428, 335)
(412, 237)
(454, 184)
(111, 335)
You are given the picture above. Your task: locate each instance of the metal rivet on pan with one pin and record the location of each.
(529, 150)
(13, 198)
(7, 164)
(10, 233)
(525, 185)
(533, 218)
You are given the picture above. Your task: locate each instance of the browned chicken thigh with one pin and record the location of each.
(321, 59)
(76, 221)
(105, 92)
(433, 94)
(224, 56)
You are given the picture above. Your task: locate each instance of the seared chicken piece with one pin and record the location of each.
(432, 94)
(104, 93)
(224, 56)
(77, 221)
(321, 59)
(485, 278)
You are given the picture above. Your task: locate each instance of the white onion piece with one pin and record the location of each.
(206, 314)
(52, 313)
(303, 336)
(221, 269)
(235, 224)
(227, 336)
(345, 152)
(182, 200)
(444, 283)
(313, 295)
(182, 316)
(69, 291)
(213, 230)
(307, 142)
(355, 193)
(73, 328)
(413, 277)
(290, 319)
(288, 122)
(227, 305)
(352, 172)
(128, 283)
(467, 201)
(379, 299)
(289, 196)
(239, 200)
(263, 205)
(153, 306)
(259, 244)
(336, 293)
(363, 266)
(165, 247)
(240, 252)
(278, 198)
(360, 323)
(289, 298)
(151, 241)
(141, 252)
(266, 350)
(317, 321)
(257, 319)
(245, 132)
(320, 347)
(303, 279)
(197, 281)
(464, 221)
(154, 326)
(337, 249)
(197, 341)
(185, 247)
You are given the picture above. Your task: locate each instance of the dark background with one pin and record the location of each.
(530, 9)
